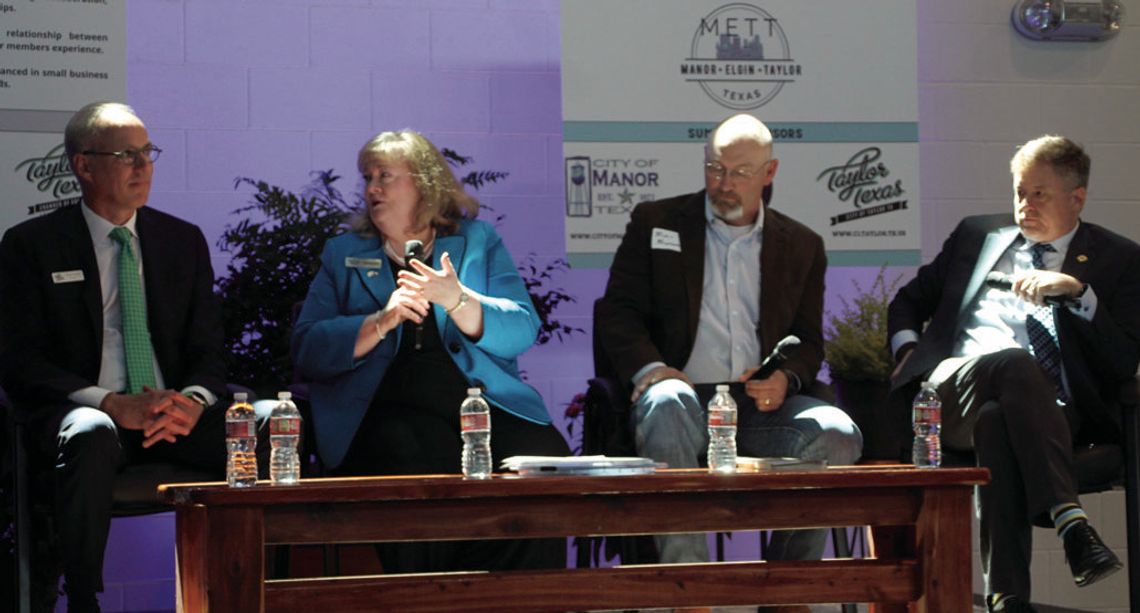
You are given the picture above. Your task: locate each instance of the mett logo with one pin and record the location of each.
(863, 181)
(50, 174)
(739, 56)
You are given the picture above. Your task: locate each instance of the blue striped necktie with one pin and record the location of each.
(136, 335)
(1042, 330)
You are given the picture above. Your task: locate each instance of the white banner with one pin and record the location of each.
(55, 56)
(36, 176)
(644, 81)
(61, 54)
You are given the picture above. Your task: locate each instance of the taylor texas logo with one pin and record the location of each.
(864, 182)
(608, 186)
(50, 175)
(740, 57)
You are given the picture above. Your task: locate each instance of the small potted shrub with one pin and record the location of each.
(859, 359)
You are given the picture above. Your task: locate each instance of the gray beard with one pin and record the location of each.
(728, 211)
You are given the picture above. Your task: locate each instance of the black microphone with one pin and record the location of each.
(1004, 282)
(776, 359)
(414, 250)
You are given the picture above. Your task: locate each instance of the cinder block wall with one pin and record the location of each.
(273, 89)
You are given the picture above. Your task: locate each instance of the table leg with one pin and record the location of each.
(886, 542)
(943, 526)
(221, 559)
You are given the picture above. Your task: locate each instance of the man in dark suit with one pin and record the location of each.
(110, 336)
(703, 287)
(1027, 370)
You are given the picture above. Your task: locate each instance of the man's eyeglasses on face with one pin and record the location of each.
(717, 172)
(130, 157)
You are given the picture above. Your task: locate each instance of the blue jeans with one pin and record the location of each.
(670, 426)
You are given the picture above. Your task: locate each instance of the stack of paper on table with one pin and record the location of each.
(530, 465)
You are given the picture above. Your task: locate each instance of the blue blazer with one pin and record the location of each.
(354, 281)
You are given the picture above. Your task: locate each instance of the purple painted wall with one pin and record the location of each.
(273, 89)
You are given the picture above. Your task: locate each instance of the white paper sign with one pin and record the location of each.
(645, 81)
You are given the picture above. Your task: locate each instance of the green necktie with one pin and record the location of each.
(136, 335)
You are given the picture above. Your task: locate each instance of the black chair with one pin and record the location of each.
(606, 431)
(37, 563)
(1100, 467)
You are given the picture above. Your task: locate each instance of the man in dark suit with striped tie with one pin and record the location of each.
(110, 336)
(1028, 325)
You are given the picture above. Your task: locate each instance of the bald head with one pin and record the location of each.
(87, 125)
(738, 167)
(738, 128)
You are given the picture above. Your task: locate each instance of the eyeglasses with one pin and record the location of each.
(717, 172)
(131, 157)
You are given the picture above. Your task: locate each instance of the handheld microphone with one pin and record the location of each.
(1004, 282)
(414, 250)
(776, 359)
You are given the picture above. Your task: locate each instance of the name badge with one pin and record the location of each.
(67, 276)
(363, 263)
(665, 239)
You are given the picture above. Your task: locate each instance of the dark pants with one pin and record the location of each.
(396, 441)
(87, 450)
(1002, 405)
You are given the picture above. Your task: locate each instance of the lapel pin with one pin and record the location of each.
(1082, 258)
(373, 273)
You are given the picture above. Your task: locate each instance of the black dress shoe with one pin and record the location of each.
(1011, 605)
(1089, 558)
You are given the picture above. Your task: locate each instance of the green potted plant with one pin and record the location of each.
(859, 359)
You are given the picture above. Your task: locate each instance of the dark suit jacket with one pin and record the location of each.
(1098, 355)
(51, 334)
(652, 303)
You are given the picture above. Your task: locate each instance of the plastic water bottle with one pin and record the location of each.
(722, 432)
(475, 425)
(285, 436)
(927, 414)
(241, 443)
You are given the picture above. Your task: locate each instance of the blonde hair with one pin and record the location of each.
(442, 199)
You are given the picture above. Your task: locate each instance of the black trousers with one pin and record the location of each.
(1003, 406)
(86, 450)
(399, 441)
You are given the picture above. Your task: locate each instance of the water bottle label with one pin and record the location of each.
(241, 429)
(722, 418)
(928, 414)
(475, 421)
(284, 427)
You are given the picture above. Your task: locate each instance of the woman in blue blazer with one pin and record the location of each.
(390, 347)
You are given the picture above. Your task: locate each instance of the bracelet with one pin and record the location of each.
(463, 298)
(379, 332)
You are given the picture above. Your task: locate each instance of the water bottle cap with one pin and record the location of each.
(474, 391)
(284, 395)
(240, 396)
(722, 387)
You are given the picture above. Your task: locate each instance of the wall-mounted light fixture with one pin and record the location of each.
(1067, 19)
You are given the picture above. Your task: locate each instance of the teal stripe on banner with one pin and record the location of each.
(899, 257)
(689, 132)
(895, 257)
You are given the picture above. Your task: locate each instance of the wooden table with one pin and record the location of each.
(222, 534)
